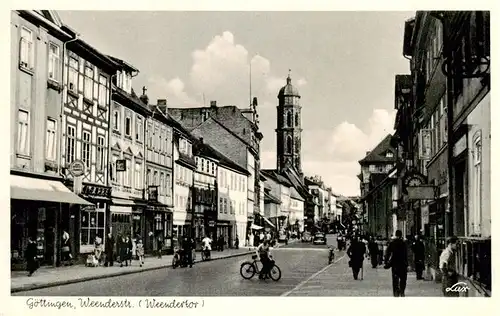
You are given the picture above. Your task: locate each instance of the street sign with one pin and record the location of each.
(422, 192)
(77, 168)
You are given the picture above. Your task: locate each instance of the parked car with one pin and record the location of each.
(306, 237)
(319, 239)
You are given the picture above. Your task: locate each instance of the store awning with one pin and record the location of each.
(33, 189)
(256, 227)
(268, 221)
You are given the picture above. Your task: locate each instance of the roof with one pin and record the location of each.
(268, 197)
(295, 195)
(378, 153)
(205, 149)
(273, 174)
(123, 63)
(289, 89)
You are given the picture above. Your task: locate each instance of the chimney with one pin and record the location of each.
(201, 140)
(255, 103)
(162, 105)
(213, 104)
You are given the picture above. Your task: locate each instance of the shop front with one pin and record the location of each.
(92, 220)
(226, 229)
(181, 227)
(41, 209)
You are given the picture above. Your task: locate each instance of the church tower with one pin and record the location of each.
(288, 131)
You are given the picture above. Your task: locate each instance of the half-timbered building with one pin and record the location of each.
(85, 133)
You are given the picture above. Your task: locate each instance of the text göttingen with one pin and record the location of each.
(111, 303)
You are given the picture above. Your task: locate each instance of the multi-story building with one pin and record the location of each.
(184, 168)
(205, 190)
(378, 184)
(451, 105)
(128, 155)
(85, 138)
(296, 218)
(280, 188)
(159, 217)
(233, 132)
(40, 202)
(233, 202)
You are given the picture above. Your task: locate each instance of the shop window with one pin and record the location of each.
(92, 225)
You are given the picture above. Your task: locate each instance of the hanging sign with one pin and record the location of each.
(77, 168)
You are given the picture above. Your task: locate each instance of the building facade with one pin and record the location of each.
(205, 191)
(86, 138)
(452, 135)
(128, 156)
(159, 215)
(240, 143)
(42, 207)
(184, 168)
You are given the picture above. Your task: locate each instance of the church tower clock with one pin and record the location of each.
(288, 131)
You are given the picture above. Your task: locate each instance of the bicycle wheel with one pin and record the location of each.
(247, 270)
(275, 273)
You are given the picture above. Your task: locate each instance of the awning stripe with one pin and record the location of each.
(33, 189)
(268, 221)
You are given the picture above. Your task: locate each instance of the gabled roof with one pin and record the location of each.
(223, 126)
(205, 149)
(295, 195)
(273, 174)
(378, 154)
(124, 64)
(270, 198)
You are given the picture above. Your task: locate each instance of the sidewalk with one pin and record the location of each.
(49, 276)
(337, 280)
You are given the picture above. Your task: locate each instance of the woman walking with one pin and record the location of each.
(139, 251)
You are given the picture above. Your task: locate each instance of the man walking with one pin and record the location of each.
(373, 250)
(448, 267)
(396, 257)
(418, 249)
(356, 253)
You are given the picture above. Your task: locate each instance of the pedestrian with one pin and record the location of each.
(418, 249)
(139, 251)
(356, 253)
(269, 236)
(373, 250)
(130, 247)
(159, 246)
(66, 249)
(220, 243)
(123, 246)
(448, 267)
(380, 250)
(396, 258)
(261, 237)
(108, 249)
(237, 243)
(188, 246)
(31, 256)
(385, 244)
(251, 240)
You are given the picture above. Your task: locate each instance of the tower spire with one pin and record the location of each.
(289, 79)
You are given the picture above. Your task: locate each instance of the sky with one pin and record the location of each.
(343, 64)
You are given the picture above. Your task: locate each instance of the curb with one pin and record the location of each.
(32, 287)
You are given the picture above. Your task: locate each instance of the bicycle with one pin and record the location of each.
(249, 269)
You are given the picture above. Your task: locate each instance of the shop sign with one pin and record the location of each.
(77, 168)
(460, 146)
(121, 165)
(211, 223)
(89, 189)
(422, 192)
(425, 141)
(153, 193)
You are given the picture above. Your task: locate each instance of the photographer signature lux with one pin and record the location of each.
(458, 287)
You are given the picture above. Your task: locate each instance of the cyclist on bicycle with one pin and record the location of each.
(207, 245)
(264, 253)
